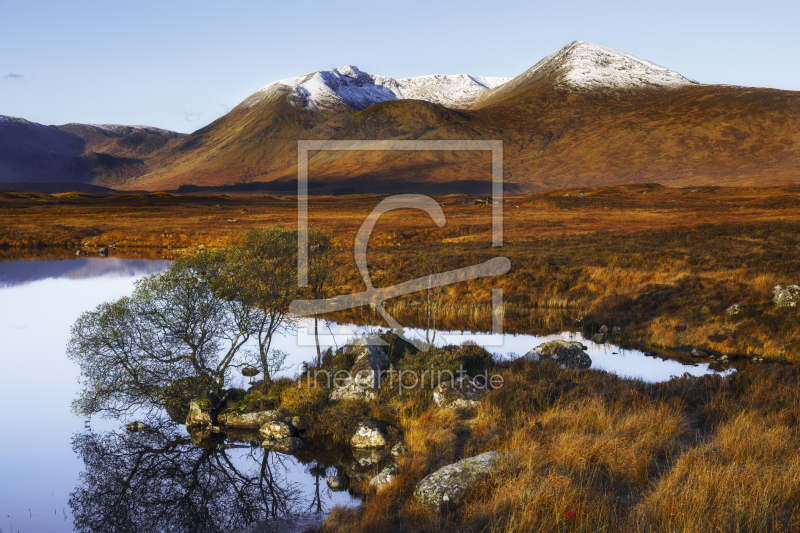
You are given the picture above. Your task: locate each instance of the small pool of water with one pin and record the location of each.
(624, 362)
(57, 471)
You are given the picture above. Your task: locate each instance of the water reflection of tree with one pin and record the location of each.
(157, 480)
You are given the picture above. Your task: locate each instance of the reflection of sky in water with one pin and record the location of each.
(13, 273)
(627, 363)
(39, 302)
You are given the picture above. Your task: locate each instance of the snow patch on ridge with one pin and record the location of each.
(7, 119)
(582, 65)
(456, 92)
(120, 129)
(333, 89)
(578, 66)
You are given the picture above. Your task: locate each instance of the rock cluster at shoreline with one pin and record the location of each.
(568, 354)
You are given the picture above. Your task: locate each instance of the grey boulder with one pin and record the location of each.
(370, 434)
(568, 354)
(447, 485)
(278, 429)
(198, 416)
(365, 376)
(399, 449)
(458, 393)
(786, 296)
(385, 478)
(334, 483)
(733, 310)
(247, 420)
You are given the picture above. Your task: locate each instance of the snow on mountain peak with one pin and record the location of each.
(120, 129)
(7, 119)
(331, 89)
(582, 65)
(579, 65)
(457, 92)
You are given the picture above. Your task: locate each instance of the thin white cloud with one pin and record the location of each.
(191, 116)
(13, 76)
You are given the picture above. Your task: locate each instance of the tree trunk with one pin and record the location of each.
(316, 337)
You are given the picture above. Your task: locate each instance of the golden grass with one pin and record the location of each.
(746, 478)
(591, 452)
(665, 265)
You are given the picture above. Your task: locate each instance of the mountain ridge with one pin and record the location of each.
(586, 114)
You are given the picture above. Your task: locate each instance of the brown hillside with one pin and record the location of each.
(692, 136)
(552, 138)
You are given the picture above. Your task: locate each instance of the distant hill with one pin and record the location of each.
(57, 188)
(106, 154)
(584, 116)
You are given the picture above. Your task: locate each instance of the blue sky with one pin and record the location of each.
(180, 65)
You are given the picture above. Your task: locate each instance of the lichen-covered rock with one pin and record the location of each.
(365, 376)
(198, 413)
(278, 429)
(568, 354)
(399, 449)
(177, 396)
(370, 360)
(385, 478)
(447, 485)
(733, 310)
(269, 442)
(247, 420)
(289, 445)
(458, 393)
(370, 434)
(698, 353)
(334, 483)
(603, 329)
(616, 331)
(786, 296)
(351, 391)
(136, 426)
(600, 338)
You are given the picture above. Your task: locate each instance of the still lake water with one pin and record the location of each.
(39, 469)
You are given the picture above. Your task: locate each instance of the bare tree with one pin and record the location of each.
(320, 273)
(433, 295)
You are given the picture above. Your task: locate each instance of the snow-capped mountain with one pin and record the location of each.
(7, 120)
(456, 92)
(585, 67)
(578, 66)
(120, 129)
(582, 65)
(331, 89)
